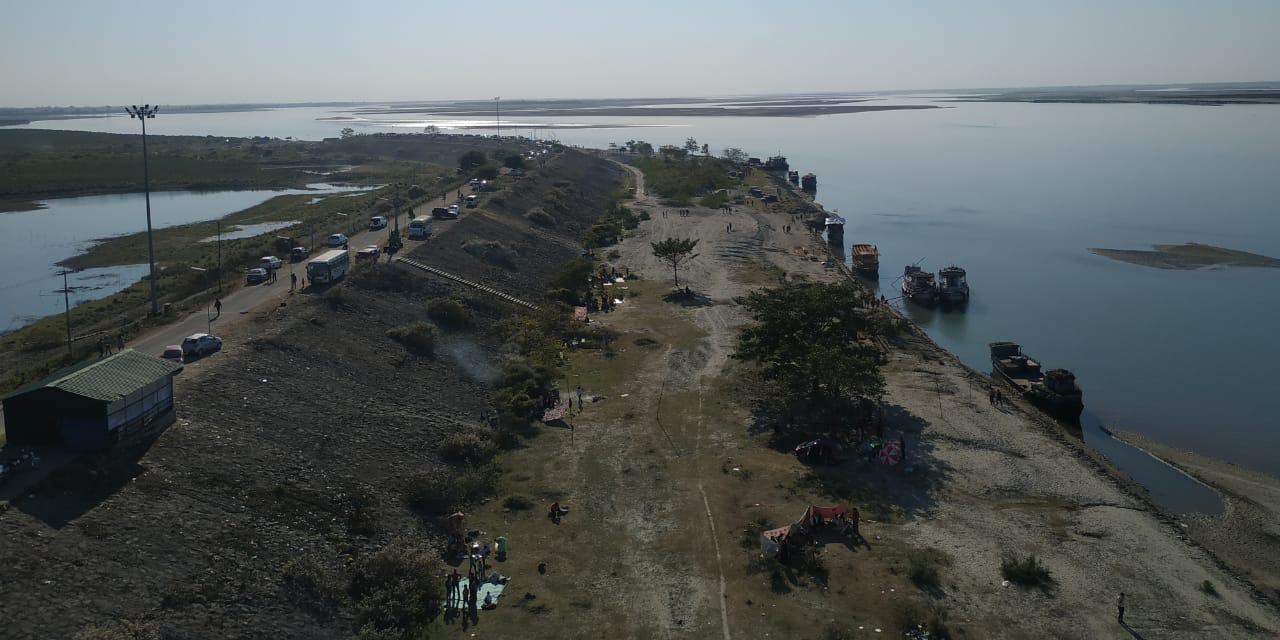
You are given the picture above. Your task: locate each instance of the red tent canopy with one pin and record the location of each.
(826, 513)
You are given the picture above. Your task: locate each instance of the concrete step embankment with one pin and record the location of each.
(487, 289)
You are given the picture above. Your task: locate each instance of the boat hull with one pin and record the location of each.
(1065, 407)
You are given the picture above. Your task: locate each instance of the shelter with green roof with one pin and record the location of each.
(91, 405)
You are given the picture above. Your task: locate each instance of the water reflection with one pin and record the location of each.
(1168, 486)
(250, 230)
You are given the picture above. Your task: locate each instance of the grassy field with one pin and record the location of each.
(645, 470)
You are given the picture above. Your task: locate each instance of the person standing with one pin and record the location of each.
(102, 347)
(1120, 608)
(120, 341)
(579, 398)
(293, 281)
(217, 306)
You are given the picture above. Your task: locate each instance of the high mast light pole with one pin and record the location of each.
(143, 113)
(497, 116)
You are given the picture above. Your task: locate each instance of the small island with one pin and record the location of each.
(1191, 255)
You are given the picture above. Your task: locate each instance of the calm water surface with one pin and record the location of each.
(1016, 194)
(35, 241)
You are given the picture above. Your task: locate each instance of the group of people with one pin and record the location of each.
(995, 397)
(105, 345)
(684, 213)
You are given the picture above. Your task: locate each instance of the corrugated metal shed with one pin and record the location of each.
(87, 406)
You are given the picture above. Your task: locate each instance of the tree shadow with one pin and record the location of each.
(688, 298)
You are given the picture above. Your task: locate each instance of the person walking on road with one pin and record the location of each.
(579, 398)
(1120, 608)
(293, 281)
(217, 307)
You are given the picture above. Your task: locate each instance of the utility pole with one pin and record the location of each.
(142, 114)
(219, 258)
(66, 301)
(497, 117)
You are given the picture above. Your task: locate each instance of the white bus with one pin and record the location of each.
(420, 228)
(329, 266)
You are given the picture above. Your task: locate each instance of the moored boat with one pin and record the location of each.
(776, 163)
(809, 182)
(866, 258)
(794, 177)
(953, 288)
(1055, 391)
(835, 229)
(918, 285)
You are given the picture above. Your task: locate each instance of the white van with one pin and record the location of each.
(377, 222)
(472, 200)
(420, 228)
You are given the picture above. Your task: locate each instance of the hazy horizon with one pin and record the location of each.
(84, 53)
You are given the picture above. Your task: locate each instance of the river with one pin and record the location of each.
(1017, 194)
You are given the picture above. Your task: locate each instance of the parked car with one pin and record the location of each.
(368, 253)
(453, 210)
(256, 276)
(173, 353)
(200, 344)
(297, 254)
(336, 240)
(270, 263)
(441, 213)
(377, 222)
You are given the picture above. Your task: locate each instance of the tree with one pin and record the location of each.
(471, 160)
(431, 130)
(674, 251)
(706, 149)
(807, 341)
(644, 148)
(691, 145)
(515, 161)
(486, 172)
(347, 132)
(735, 155)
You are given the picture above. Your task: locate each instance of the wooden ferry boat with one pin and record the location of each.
(866, 258)
(835, 230)
(794, 177)
(918, 286)
(953, 288)
(1055, 390)
(809, 182)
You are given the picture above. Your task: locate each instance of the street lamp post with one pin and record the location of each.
(219, 258)
(497, 117)
(147, 111)
(209, 311)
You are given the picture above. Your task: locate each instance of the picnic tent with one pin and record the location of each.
(771, 541)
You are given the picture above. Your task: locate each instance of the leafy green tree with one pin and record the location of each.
(674, 251)
(487, 172)
(643, 148)
(514, 161)
(691, 145)
(706, 149)
(808, 341)
(431, 130)
(347, 132)
(735, 155)
(471, 160)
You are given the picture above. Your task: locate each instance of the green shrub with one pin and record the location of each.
(121, 630)
(540, 217)
(1026, 572)
(391, 588)
(418, 337)
(922, 568)
(493, 252)
(442, 491)
(715, 200)
(467, 447)
(449, 314)
(517, 503)
(306, 579)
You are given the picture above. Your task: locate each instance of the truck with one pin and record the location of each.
(420, 229)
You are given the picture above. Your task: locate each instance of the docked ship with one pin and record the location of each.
(866, 258)
(776, 163)
(809, 182)
(918, 285)
(793, 177)
(952, 286)
(1055, 390)
(835, 230)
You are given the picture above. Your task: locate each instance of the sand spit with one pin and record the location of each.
(1191, 255)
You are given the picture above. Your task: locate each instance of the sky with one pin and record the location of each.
(107, 52)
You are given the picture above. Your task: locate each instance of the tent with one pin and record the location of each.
(771, 541)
